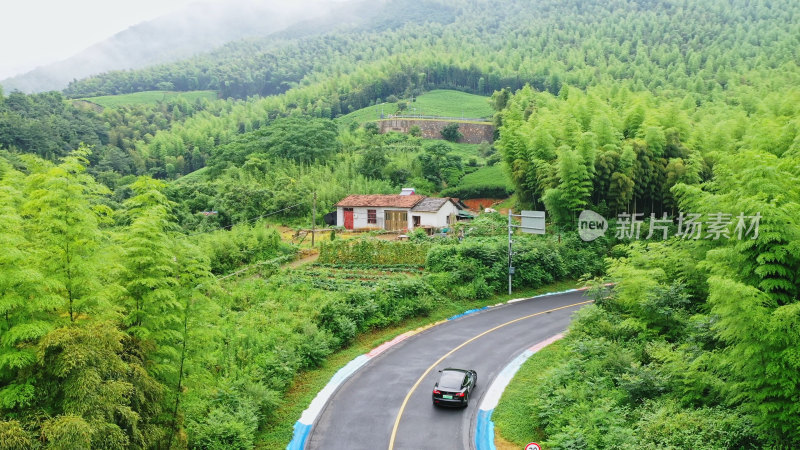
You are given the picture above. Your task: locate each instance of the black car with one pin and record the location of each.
(454, 387)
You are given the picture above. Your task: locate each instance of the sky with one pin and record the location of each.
(38, 32)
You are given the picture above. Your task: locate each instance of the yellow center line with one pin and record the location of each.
(438, 361)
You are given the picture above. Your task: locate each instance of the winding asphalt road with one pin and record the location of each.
(387, 403)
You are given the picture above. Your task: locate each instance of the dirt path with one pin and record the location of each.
(303, 260)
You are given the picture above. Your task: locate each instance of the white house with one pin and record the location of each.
(395, 212)
(434, 212)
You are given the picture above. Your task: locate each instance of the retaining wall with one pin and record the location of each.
(473, 133)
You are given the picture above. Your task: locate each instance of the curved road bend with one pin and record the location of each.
(365, 411)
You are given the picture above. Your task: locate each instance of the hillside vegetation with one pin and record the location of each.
(150, 98)
(196, 28)
(438, 102)
(142, 299)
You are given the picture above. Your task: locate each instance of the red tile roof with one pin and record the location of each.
(396, 201)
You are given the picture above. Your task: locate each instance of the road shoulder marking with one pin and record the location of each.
(484, 427)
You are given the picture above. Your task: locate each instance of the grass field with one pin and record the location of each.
(488, 182)
(434, 103)
(148, 98)
(466, 151)
(513, 416)
(488, 175)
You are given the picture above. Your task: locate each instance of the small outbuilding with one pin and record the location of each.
(434, 212)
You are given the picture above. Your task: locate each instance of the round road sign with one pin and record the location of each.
(533, 446)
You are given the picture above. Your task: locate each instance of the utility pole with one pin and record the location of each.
(313, 218)
(510, 267)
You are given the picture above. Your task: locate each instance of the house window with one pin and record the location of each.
(372, 216)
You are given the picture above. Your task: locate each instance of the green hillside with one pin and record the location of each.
(451, 104)
(146, 292)
(439, 102)
(149, 98)
(486, 182)
(274, 62)
(488, 175)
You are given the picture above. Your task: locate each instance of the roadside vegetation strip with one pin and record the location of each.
(484, 427)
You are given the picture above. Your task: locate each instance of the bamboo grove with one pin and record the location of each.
(116, 333)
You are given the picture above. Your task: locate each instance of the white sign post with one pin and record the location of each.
(532, 222)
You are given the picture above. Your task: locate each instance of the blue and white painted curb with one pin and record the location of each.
(484, 427)
(302, 428)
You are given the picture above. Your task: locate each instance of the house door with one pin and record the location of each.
(348, 218)
(396, 220)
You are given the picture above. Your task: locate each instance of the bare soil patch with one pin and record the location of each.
(479, 204)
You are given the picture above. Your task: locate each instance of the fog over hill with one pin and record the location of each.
(197, 28)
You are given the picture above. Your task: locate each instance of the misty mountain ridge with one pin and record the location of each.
(197, 28)
(270, 65)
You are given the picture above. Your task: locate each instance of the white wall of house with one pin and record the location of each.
(361, 216)
(438, 219)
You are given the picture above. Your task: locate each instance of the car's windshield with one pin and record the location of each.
(451, 380)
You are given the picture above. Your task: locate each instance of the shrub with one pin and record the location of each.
(371, 128)
(450, 132)
(537, 261)
(373, 251)
(389, 303)
(13, 436)
(225, 429)
(242, 245)
(345, 317)
(493, 159)
(398, 300)
(667, 423)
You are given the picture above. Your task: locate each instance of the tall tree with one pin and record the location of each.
(26, 308)
(152, 311)
(754, 289)
(98, 395)
(65, 226)
(194, 282)
(574, 188)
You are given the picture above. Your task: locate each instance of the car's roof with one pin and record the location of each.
(455, 370)
(452, 378)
